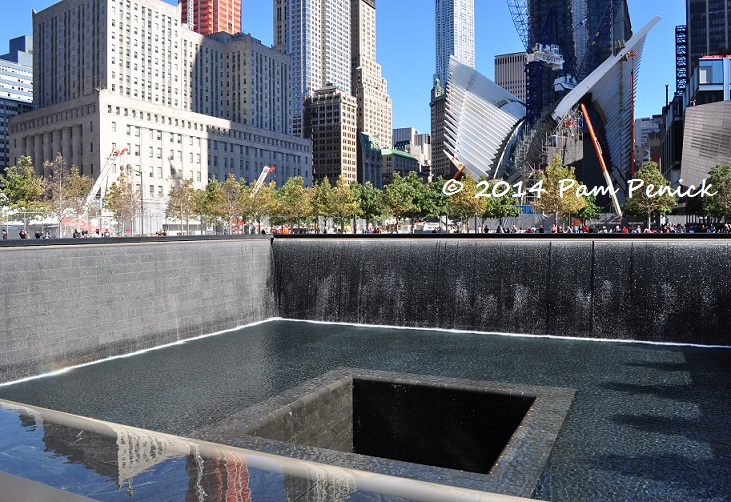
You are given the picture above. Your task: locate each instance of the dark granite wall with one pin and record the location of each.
(665, 290)
(64, 305)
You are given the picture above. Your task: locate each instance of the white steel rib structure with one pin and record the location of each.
(484, 121)
(480, 118)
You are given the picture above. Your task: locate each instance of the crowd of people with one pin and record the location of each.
(695, 228)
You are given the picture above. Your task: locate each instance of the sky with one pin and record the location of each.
(405, 46)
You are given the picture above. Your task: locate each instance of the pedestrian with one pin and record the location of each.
(39, 234)
(5, 234)
(47, 234)
(23, 234)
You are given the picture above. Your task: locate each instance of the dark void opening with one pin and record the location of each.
(437, 426)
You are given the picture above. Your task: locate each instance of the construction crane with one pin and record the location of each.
(599, 154)
(260, 181)
(116, 153)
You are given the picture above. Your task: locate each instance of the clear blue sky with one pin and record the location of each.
(405, 46)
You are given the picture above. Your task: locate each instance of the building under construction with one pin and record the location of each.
(578, 51)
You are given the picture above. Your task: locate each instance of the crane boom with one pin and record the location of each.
(116, 152)
(260, 181)
(519, 13)
(598, 149)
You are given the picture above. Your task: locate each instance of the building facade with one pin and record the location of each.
(412, 142)
(369, 86)
(440, 163)
(510, 73)
(397, 161)
(316, 34)
(330, 119)
(131, 76)
(370, 160)
(708, 25)
(212, 16)
(16, 90)
(455, 36)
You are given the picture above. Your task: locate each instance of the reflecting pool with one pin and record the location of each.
(648, 422)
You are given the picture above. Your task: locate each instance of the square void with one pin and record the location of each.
(474, 434)
(440, 426)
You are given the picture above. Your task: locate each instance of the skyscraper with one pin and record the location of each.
(708, 25)
(455, 34)
(212, 16)
(316, 35)
(16, 89)
(369, 86)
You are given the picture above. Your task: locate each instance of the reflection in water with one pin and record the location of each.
(325, 485)
(223, 478)
(121, 453)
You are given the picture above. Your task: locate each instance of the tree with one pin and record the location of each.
(463, 205)
(551, 199)
(293, 200)
(370, 200)
(719, 206)
(647, 202)
(183, 202)
(342, 202)
(590, 210)
(121, 199)
(501, 207)
(22, 187)
(435, 202)
(259, 205)
(222, 200)
(67, 191)
(401, 196)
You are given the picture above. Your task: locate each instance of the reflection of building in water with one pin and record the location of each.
(121, 453)
(223, 478)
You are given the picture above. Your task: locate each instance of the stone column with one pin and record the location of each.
(47, 148)
(66, 145)
(38, 152)
(76, 142)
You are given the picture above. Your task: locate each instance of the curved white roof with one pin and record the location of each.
(479, 118)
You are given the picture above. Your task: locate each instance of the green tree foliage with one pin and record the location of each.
(500, 207)
(294, 200)
(260, 205)
(435, 203)
(121, 198)
(643, 204)
(320, 198)
(342, 202)
(22, 187)
(590, 210)
(719, 206)
(551, 200)
(370, 200)
(463, 205)
(402, 196)
(221, 201)
(183, 202)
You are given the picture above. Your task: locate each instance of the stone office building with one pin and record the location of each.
(126, 74)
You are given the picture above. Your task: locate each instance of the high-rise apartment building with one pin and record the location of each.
(316, 35)
(130, 75)
(212, 16)
(330, 116)
(510, 73)
(16, 89)
(455, 22)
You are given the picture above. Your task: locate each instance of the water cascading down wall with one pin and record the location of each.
(649, 289)
(69, 304)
